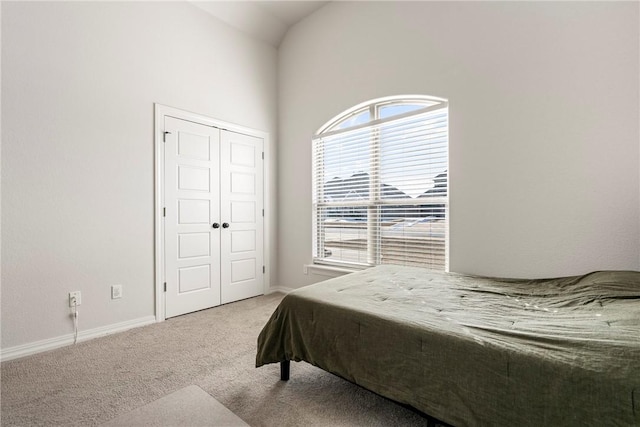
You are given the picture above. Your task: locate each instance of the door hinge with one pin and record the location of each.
(164, 211)
(264, 269)
(263, 155)
(165, 286)
(164, 136)
(262, 212)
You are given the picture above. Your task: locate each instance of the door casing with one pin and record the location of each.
(160, 112)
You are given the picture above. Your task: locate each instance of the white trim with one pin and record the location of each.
(281, 289)
(160, 112)
(378, 101)
(378, 122)
(327, 270)
(65, 340)
(391, 202)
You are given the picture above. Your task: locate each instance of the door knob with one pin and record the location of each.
(216, 225)
(225, 225)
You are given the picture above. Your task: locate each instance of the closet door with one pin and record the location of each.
(241, 193)
(192, 216)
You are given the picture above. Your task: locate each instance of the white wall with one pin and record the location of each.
(79, 81)
(544, 138)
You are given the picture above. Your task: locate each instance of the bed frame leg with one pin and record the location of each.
(285, 368)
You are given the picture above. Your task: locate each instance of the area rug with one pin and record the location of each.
(189, 406)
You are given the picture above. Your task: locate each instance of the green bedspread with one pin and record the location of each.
(473, 351)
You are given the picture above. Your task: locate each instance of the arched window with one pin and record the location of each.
(380, 193)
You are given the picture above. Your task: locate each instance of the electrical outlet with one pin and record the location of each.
(74, 298)
(116, 291)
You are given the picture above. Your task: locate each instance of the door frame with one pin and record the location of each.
(160, 111)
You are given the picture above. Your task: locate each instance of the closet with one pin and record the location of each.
(213, 211)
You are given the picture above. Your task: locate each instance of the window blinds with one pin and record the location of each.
(380, 193)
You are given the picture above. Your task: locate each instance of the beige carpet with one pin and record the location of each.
(189, 406)
(99, 380)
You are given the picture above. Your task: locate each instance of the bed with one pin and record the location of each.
(473, 351)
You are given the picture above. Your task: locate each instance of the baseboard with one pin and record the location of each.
(64, 340)
(282, 289)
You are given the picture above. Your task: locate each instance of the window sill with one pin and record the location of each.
(327, 270)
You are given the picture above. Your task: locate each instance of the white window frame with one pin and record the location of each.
(374, 201)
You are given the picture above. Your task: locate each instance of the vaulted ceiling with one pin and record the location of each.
(265, 20)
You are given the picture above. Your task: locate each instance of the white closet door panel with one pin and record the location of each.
(194, 211)
(194, 178)
(192, 146)
(243, 270)
(192, 200)
(243, 183)
(191, 245)
(244, 154)
(243, 212)
(196, 278)
(241, 190)
(243, 241)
